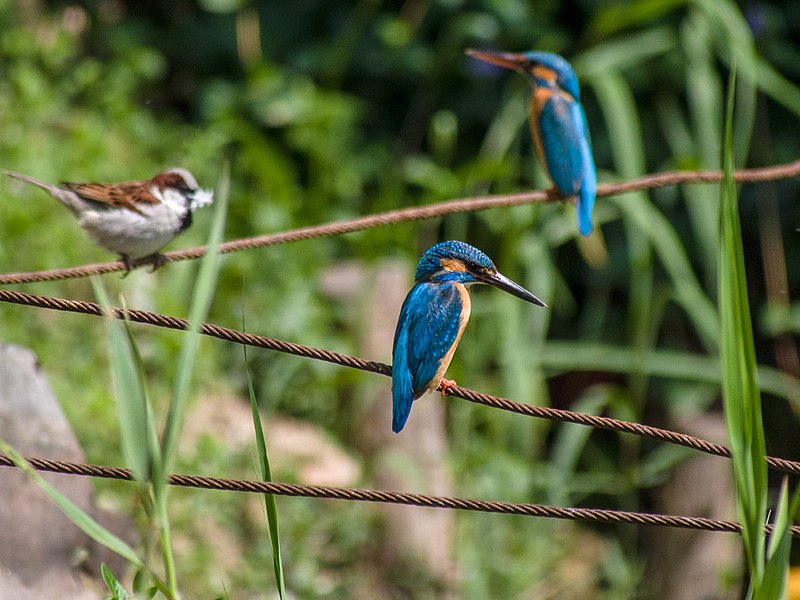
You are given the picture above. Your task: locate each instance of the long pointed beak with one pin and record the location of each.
(502, 282)
(508, 60)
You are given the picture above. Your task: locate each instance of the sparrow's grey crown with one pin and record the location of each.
(187, 177)
(197, 196)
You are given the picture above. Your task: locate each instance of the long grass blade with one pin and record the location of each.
(675, 260)
(136, 423)
(201, 303)
(624, 51)
(780, 545)
(670, 364)
(740, 390)
(269, 503)
(777, 87)
(622, 115)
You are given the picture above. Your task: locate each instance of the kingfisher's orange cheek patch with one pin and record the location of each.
(542, 72)
(453, 265)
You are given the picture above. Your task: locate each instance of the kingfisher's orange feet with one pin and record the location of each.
(553, 194)
(445, 384)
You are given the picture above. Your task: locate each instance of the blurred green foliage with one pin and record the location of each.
(334, 109)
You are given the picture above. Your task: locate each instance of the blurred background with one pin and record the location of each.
(333, 109)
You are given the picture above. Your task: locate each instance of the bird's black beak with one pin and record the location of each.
(508, 60)
(502, 282)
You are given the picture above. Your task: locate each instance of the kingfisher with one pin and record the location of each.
(558, 124)
(433, 317)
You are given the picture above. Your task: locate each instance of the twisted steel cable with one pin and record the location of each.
(595, 515)
(258, 341)
(377, 220)
(415, 213)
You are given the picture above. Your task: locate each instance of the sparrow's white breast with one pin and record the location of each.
(136, 235)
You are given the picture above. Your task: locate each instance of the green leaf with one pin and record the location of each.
(624, 51)
(201, 302)
(777, 87)
(780, 545)
(740, 390)
(115, 587)
(143, 585)
(647, 226)
(614, 18)
(268, 500)
(622, 115)
(136, 422)
(670, 364)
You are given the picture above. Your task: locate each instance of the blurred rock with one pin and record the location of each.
(297, 448)
(691, 565)
(42, 550)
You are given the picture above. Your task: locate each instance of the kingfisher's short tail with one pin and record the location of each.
(588, 191)
(585, 205)
(401, 408)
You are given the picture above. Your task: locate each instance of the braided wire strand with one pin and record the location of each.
(378, 220)
(595, 515)
(416, 213)
(337, 358)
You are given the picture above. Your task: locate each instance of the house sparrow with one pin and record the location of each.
(134, 219)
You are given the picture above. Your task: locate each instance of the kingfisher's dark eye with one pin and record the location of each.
(472, 266)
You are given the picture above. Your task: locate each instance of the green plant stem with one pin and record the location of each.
(167, 553)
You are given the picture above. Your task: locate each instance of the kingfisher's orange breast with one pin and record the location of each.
(539, 98)
(466, 308)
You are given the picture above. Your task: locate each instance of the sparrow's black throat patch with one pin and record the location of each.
(186, 221)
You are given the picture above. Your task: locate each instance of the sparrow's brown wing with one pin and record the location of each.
(121, 195)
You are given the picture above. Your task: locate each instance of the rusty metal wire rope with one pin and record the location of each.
(416, 213)
(422, 500)
(258, 341)
(594, 515)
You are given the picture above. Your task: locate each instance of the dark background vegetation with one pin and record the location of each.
(332, 109)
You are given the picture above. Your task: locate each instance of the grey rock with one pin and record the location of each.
(42, 551)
